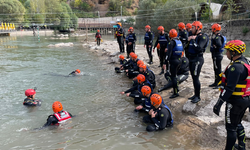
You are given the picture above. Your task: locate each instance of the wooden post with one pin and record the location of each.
(86, 30)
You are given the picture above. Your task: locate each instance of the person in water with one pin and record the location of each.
(98, 37)
(160, 116)
(30, 100)
(76, 72)
(59, 115)
(122, 61)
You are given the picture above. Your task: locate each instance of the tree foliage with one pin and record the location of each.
(231, 7)
(115, 8)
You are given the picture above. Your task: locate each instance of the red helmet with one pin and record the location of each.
(155, 99)
(134, 56)
(139, 62)
(57, 106)
(188, 26)
(145, 90)
(237, 46)
(216, 27)
(30, 92)
(141, 78)
(131, 28)
(197, 24)
(78, 71)
(143, 66)
(121, 57)
(173, 33)
(98, 30)
(160, 28)
(181, 25)
(158, 46)
(147, 26)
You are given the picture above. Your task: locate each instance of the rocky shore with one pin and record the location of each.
(195, 122)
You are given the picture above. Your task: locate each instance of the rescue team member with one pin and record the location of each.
(130, 63)
(160, 115)
(149, 43)
(182, 74)
(131, 40)
(163, 40)
(122, 61)
(158, 48)
(216, 49)
(30, 100)
(126, 40)
(189, 30)
(76, 72)
(149, 74)
(197, 46)
(131, 66)
(235, 91)
(182, 34)
(59, 115)
(146, 104)
(136, 90)
(120, 35)
(173, 56)
(131, 73)
(98, 37)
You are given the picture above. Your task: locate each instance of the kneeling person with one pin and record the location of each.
(122, 62)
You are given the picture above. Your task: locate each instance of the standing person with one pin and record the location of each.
(163, 40)
(126, 40)
(216, 49)
(197, 46)
(98, 37)
(131, 40)
(158, 48)
(189, 31)
(173, 55)
(149, 43)
(183, 34)
(120, 35)
(235, 91)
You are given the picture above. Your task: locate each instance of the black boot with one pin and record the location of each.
(213, 85)
(196, 100)
(162, 72)
(191, 98)
(174, 95)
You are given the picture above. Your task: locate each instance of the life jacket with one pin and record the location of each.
(171, 116)
(119, 32)
(62, 117)
(191, 46)
(162, 39)
(242, 86)
(146, 38)
(98, 35)
(131, 38)
(224, 41)
(178, 49)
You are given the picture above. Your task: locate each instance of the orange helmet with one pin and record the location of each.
(155, 99)
(139, 62)
(216, 27)
(147, 26)
(120, 24)
(131, 28)
(141, 78)
(78, 71)
(160, 28)
(173, 33)
(145, 90)
(57, 106)
(128, 30)
(98, 30)
(134, 56)
(188, 26)
(197, 24)
(181, 25)
(143, 66)
(131, 53)
(237, 46)
(121, 57)
(182, 54)
(158, 46)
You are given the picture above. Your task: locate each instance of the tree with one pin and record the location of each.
(246, 4)
(231, 7)
(77, 3)
(206, 13)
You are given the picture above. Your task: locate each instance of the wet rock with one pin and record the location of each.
(189, 107)
(114, 54)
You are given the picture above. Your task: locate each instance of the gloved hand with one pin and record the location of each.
(217, 106)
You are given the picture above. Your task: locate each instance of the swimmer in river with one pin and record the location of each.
(76, 72)
(30, 100)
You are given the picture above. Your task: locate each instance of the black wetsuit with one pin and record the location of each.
(131, 38)
(149, 75)
(122, 62)
(98, 37)
(52, 120)
(182, 74)
(187, 44)
(120, 35)
(183, 36)
(126, 40)
(161, 120)
(163, 39)
(217, 56)
(136, 93)
(235, 105)
(196, 49)
(190, 33)
(134, 70)
(31, 102)
(149, 42)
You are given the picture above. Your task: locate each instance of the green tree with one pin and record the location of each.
(231, 7)
(206, 13)
(77, 3)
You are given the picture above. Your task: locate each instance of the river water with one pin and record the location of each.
(104, 119)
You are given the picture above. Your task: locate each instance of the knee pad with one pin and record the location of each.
(151, 128)
(241, 137)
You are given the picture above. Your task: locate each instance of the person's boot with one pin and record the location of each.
(174, 95)
(162, 72)
(213, 85)
(192, 97)
(196, 100)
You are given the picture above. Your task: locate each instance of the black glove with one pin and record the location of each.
(217, 106)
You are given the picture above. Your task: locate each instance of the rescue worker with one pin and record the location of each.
(149, 74)
(98, 37)
(163, 40)
(158, 48)
(131, 73)
(120, 35)
(216, 49)
(189, 30)
(173, 56)
(59, 115)
(130, 63)
(30, 100)
(182, 34)
(235, 91)
(197, 46)
(133, 69)
(136, 90)
(160, 115)
(182, 74)
(76, 72)
(131, 40)
(126, 40)
(149, 37)
(122, 61)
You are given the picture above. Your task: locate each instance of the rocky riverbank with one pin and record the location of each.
(195, 122)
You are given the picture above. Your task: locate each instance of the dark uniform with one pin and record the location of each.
(131, 38)
(186, 47)
(149, 42)
(31, 102)
(119, 33)
(98, 37)
(122, 62)
(196, 49)
(216, 49)
(133, 71)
